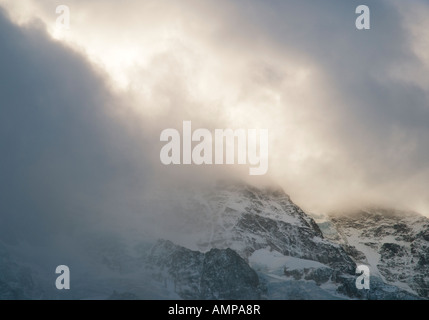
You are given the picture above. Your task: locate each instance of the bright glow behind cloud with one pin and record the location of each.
(245, 65)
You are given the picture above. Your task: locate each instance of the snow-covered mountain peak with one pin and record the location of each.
(394, 243)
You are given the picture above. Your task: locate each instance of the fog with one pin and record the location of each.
(82, 109)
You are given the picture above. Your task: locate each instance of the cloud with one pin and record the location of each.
(79, 162)
(347, 110)
(63, 154)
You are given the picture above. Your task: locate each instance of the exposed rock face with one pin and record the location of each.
(245, 219)
(259, 225)
(216, 274)
(395, 244)
(248, 220)
(257, 232)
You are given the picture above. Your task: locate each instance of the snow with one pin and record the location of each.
(274, 262)
(379, 228)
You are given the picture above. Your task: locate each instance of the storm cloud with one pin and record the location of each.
(82, 110)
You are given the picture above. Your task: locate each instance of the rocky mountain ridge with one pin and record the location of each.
(242, 242)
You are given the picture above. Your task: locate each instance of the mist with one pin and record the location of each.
(82, 110)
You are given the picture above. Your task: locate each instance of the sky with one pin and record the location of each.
(82, 109)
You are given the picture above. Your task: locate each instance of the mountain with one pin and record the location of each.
(236, 241)
(244, 218)
(293, 258)
(216, 274)
(395, 244)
